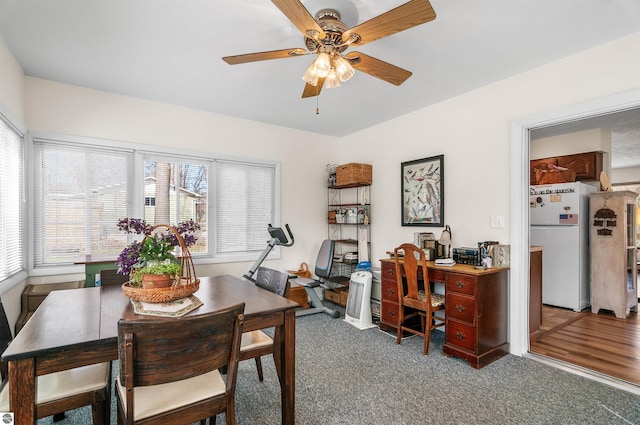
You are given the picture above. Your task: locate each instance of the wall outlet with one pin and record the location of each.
(497, 222)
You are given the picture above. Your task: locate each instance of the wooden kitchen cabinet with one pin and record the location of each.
(587, 165)
(476, 309)
(535, 291)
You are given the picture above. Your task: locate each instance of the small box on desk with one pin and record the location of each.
(353, 173)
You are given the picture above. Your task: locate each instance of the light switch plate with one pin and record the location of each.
(497, 221)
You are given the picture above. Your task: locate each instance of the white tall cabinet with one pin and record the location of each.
(613, 252)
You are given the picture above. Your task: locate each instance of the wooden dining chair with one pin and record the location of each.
(66, 390)
(415, 299)
(169, 368)
(111, 277)
(257, 343)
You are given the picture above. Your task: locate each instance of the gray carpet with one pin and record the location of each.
(348, 376)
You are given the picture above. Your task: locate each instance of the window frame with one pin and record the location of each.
(136, 193)
(15, 125)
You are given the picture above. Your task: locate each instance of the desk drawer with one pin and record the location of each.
(461, 335)
(460, 283)
(461, 308)
(389, 290)
(389, 313)
(437, 275)
(388, 272)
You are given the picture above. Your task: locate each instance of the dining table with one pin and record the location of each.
(77, 327)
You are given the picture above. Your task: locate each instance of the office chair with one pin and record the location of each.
(418, 301)
(65, 390)
(322, 270)
(169, 368)
(257, 343)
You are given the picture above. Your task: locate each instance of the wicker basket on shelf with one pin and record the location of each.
(185, 284)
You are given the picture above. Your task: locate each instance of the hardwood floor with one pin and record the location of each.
(599, 342)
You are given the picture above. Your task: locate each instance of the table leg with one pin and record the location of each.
(22, 390)
(288, 368)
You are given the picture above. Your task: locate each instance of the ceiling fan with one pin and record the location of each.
(327, 37)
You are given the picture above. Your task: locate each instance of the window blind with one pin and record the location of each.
(81, 191)
(244, 205)
(12, 205)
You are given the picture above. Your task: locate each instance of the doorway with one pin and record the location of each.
(520, 138)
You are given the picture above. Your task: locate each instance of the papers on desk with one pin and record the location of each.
(175, 308)
(445, 262)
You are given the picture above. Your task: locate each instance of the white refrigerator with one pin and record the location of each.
(559, 219)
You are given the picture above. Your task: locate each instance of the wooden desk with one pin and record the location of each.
(77, 327)
(93, 264)
(476, 309)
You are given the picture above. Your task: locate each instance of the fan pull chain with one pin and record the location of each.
(317, 106)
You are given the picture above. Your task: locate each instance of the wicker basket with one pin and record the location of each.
(160, 295)
(353, 174)
(184, 286)
(549, 174)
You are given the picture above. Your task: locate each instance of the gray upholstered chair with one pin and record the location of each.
(257, 343)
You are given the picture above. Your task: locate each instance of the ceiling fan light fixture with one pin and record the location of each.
(332, 80)
(322, 65)
(311, 75)
(343, 68)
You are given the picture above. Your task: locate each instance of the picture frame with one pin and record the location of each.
(422, 192)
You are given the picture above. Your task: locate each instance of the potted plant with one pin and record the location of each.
(155, 254)
(161, 275)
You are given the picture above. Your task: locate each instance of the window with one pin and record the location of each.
(12, 206)
(175, 190)
(80, 193)
(82, 189)
(245, 194)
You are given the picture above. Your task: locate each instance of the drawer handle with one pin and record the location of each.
(460, 308)
(459, 284)
(392, 313)
(460, 335)
(391, 291)
(390, 272)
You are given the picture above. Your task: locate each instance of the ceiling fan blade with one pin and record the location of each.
(410, 14)
(299, 16)
(262, 56)
(310, 91)
(379, 69)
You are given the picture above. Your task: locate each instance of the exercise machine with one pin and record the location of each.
(278, 238)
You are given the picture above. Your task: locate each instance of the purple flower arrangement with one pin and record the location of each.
(157, 246)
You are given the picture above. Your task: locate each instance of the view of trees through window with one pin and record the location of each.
(176, 192)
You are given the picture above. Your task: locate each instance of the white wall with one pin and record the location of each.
(54, 107)
(473, 133)
(625, 175)
(12, 85)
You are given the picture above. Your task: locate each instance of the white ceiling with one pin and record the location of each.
(170, 51)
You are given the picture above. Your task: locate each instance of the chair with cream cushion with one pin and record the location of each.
(257, 343)
(169, 368)
(66, 390)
